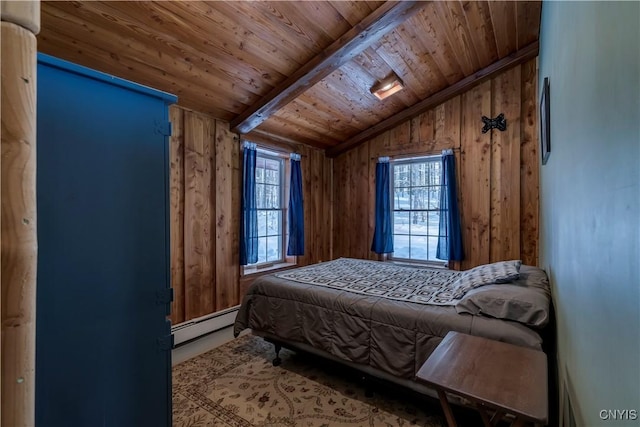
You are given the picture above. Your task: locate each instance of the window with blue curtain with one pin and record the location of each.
(416, 190)
(249, 217)
(450, 235)
(296, 209)
(269, 183)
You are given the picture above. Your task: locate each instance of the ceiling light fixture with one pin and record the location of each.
(387, 86)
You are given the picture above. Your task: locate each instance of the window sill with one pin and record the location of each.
(272, 268)
(429, 264)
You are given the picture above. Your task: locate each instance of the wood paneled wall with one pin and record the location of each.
(498, 171)
(205, 182)
(205, 206)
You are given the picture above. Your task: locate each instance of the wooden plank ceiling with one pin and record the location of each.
(224, 58)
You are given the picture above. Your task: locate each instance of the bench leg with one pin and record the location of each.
(519, 422)
(448, 414)
(485, 418)
(497, 416)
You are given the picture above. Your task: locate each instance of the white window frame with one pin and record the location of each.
(410, 161)
(285, 261)
(261, 153)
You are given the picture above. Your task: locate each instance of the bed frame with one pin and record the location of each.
(367, 371)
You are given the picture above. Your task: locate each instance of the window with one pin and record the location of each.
(270, 179)
(416, 190)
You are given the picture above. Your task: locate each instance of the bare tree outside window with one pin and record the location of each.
(416, 208)
(270, 203)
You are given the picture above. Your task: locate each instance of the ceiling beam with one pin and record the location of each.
(516, 58)
(352, 43)
(258, 135)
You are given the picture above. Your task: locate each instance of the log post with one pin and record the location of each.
(20, 23)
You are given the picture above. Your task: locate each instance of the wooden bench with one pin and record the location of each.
(498, 378)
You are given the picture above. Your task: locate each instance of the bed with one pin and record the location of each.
(385, 319)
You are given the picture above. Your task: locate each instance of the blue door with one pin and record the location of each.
(103, 354)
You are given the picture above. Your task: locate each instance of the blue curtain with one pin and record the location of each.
(450, 235)
(296, 209)
(383, 234)
(249, 217)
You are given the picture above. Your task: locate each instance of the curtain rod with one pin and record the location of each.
(408, 155)
(277, 150)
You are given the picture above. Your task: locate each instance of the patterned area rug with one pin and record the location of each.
(236, 385)
(422, 285)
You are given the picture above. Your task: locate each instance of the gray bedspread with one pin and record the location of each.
(387, 334)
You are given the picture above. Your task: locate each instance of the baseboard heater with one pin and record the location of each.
(195, 328)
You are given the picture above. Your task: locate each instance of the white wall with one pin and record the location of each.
(590, 188)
